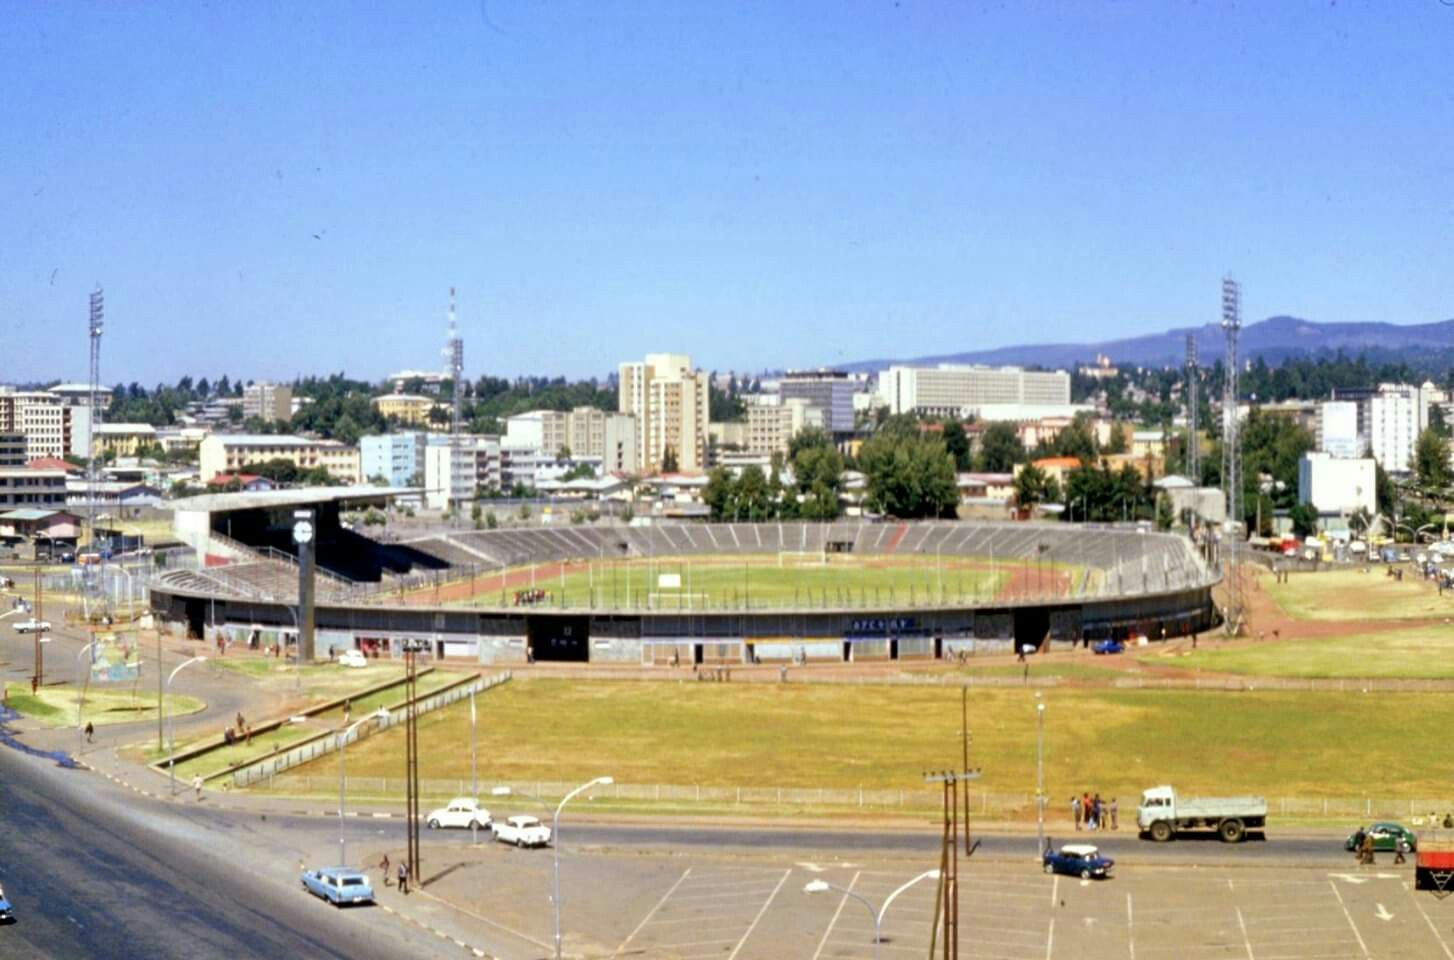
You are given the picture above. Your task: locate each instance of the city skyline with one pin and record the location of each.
(293, 191)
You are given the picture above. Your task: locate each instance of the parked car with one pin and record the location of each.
(1109, 646)
(7, 912)
(352, 658)
(1385, 837)
(462, 812)
(523, 831)
(1078, 860)
(338, 885)
(32, 626)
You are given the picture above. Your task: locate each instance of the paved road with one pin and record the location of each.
(91, 874)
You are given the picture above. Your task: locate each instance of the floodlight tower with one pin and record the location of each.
(1232, 452)
(91, 581)
(1193, 448)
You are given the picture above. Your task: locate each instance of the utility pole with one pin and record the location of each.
(946, 906)
(411, 745)
(38, 618)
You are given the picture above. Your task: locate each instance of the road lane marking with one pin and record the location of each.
(1050, 939)
(755, 920)
(1055, 892)
(1363, 946)
(831, 923)
(1246, 941)
(652, 912)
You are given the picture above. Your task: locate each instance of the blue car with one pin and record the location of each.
(7, 912)
(338, 885)
(1109, 646)
(1078, 860)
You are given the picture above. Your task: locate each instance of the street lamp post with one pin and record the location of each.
(474, 772)
(555, 846)
(172, 721)
(381, 714)
(823, 886)
(1039, 776)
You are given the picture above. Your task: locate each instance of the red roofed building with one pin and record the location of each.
(246, 482)
(54, 463)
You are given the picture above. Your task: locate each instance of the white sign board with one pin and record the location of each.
(668, 581)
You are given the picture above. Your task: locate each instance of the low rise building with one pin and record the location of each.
(1336, 485)
(30, 487)
(122, 439)
(235, 452)
(406, 408)
(12, 450)
(395, 459)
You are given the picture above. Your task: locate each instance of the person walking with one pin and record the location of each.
(1115, 815)
(197, 785)
(384, 868)
(403, 877)
(90, 732)
(1075, 809)
(1400, 849)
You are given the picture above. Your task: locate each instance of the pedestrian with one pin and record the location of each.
(249, 734)
(1090, 815)
(403, 877)
(197, 785)
(1100, 818)
(1367, 850)
(1075, 809)
(1400, 848)
(1115, 815)
(1358, 836)
(240, 723)
(90, 731)
(384, 868)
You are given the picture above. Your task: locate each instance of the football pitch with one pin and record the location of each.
(764, 581)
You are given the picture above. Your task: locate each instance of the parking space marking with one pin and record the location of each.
(757, 919)
(652, 912)
(834, 920)
(1246, 940)
(1130, 927)
(1050, 938)
(1363, 946)
(1432, 929)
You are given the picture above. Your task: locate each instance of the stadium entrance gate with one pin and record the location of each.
(1032, 626)
(560, 639)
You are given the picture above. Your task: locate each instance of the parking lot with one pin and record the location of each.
(675, 907)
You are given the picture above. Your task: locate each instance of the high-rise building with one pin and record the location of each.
(588, 433)
(269, 402)
(455, 471)
(956, 390)
(1390, 417)
(669, 401)
(771, 427)
(41, 416)
(829, 390)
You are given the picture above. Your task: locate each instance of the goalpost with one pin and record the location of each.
(802, 558)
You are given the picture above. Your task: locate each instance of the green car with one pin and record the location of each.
(1385, 836)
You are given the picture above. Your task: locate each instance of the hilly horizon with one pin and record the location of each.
(1424, 346)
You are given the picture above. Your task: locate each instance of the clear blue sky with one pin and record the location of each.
(758, 184)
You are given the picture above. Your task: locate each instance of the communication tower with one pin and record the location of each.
(454, 358)
(1193, 401)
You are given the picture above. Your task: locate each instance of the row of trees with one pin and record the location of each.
(817, 471)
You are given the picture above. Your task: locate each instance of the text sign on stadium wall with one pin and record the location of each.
(669, 581)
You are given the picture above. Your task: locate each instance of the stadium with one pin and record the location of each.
(681, 593)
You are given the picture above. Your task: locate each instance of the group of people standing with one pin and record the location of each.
(1087, 809)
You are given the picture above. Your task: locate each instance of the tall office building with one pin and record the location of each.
(269, 402)
(42, 417)
(829, 390)
(669, 401)
(588, 432)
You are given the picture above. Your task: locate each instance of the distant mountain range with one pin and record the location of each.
(1428, 347)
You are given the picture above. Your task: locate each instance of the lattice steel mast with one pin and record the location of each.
(1232, 455)
(454, 357)
(1193, 401)
(92, 582)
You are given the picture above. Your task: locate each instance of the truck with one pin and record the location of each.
(1163, 814)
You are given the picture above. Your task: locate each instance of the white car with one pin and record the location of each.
(462, 812)
(523, 831)
(352, 658)
(32, 626)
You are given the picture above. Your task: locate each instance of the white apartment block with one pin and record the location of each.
(235, 452)
(957, 390)
(41, 416)
(1393, 430)
(1337, 485)
(455, 470)
(669, 401)
(269, 402)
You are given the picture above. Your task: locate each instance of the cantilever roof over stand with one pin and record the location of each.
(263, 499)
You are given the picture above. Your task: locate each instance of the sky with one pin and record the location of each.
(268, 190)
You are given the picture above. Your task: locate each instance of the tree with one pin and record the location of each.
(1030, 486)
(908, 475)
(956, 441)
(1304, 518)
(669, 461)
(818, 472)
(719, 492)
(1431, 460)
(477, 515)
(1437, 423)
(1000, 448)
(1385, 492)
(1119, 442)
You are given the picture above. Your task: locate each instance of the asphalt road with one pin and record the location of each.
(91, 874)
